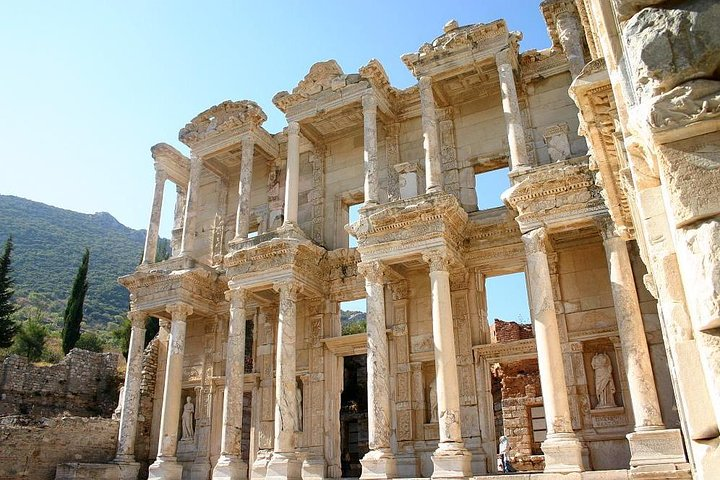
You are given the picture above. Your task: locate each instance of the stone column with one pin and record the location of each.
(191, 202)
(153, 231)
(561, 447)
(650, 430)
(178, 216)
(433, 169)
(451, 459)
(166, 466)
(125, 453)
(230, 465)
(379, 462)
(511, 109)
(369, 104)
(242, 219)
(570, 34)
(285, 463)
(293, 173)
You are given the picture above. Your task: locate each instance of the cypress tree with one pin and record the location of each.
(74, 310)
(8, 327)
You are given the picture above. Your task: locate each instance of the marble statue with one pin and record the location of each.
(433, 402)
(299, 408)
(188, 431)
(604, 384)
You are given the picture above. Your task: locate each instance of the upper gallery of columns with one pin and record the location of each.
(327, 103)
(216, 134)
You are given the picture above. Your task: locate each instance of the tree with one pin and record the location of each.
(8, 326)
(30, 339)
(90, 341)
(74, 310)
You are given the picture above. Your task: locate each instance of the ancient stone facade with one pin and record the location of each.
(619, 243)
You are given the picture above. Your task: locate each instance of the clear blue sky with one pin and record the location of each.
(88, 86)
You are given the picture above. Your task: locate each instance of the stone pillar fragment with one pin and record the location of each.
(125, 453)
(570, 33)
(369, 105)
(650, 444)
(511, 109)
(284, 462)
(242, 219)
(153, 231)
(293, 173)
(191, 205)
(379, 462)
(230, 465)
(166, 466)
(563, 452)
(433, 170)
(451, 459)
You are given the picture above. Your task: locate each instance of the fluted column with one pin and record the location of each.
(153, 231)
(433, 169)
(562, 449)
(369, 104)
(242, 219)
(451, 459)
(379, 462)
(191, 202)
(511, 110)
(131, 397)
(284, 462)
(293, 173)
(230, 465)
(166, 466)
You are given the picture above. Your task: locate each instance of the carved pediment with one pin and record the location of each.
(172, 162)
(457, 39)
(221, 118)
(322, 76)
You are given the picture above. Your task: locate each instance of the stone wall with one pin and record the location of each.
(504, 332)
(31, 449)
(83, 383)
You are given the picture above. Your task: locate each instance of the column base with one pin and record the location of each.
(451, 460)
(290, 230)
(259, 466)
(656, 449)
(313, 467)
(165, 468)
(563, 453)
(378, 464)
(229, 467)
(284, 466)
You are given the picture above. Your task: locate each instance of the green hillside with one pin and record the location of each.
(49, 244)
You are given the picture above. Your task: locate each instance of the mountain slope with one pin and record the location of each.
(49, 244)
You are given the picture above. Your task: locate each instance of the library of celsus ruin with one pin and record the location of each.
(611, 145)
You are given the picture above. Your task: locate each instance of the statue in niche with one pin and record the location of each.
(298, 408)
(433, 402)
(121, 400)
(604, 384)
(188, 430)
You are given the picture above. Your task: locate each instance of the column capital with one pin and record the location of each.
(536, 240)
(179, 311)
(288, 288)
(137, 318)
(607, 228)
(236, 296)
(293, 128)
(160, 173)
(503, 58)
(425, 82)
(439, 260)
(373, 272)
(369, 103)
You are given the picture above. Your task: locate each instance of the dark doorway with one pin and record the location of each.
(353, 416)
